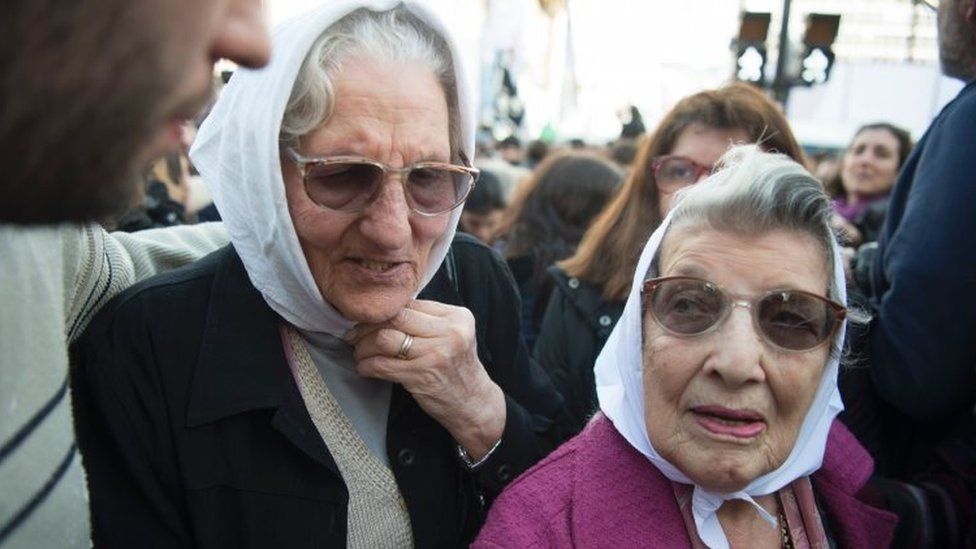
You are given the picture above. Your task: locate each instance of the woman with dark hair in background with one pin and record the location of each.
(484, 208)
(867, 173)
(591, 286)
(546, 222)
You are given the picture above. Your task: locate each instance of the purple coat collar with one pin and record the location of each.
(619, 497)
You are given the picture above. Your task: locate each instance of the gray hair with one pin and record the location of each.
(396, 36)
(755, 192)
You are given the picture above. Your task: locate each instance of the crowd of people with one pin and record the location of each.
(400, 334)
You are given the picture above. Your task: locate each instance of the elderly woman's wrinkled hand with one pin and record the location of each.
(439, 367)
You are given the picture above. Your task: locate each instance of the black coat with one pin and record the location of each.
(576, 325)
(534, 294)
(870, 221)
(194, 433)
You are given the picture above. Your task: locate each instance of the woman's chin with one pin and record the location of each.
(371, 309)
(720, 474)
(722, 484)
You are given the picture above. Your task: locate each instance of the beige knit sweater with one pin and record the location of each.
(52, 281)
(377, 514)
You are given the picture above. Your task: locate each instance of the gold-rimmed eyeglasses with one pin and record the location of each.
(349, 184)
(790, 320)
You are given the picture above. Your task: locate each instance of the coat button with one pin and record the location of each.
(405, 457)
(504, 473)
(605, 321)
(573, 283)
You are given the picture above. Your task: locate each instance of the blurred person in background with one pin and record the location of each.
(92, 91)
(915, 406)
(825, 166)
(623, 152)
(510, 150)
(592, 285)
(349, 372)
(484, 208)
(718, 389)
(631, 122)
(509, 177)
(165, 193)
(536, 152)
(577, 144)
(860, 189)
(546, 221)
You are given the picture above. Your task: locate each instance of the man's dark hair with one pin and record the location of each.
(510, 141)
(76, 107)
(623, 152)
(957, 39)
(536, 152)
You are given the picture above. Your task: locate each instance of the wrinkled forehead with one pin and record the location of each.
(798, 258)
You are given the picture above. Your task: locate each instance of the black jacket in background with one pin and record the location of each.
(194, 434)
(870, 221)
(534, 294)
(913, 407)
(921, 344)
(575, 327)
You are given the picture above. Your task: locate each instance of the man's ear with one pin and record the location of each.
(971, 12)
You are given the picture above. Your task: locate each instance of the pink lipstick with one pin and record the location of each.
(743, 424)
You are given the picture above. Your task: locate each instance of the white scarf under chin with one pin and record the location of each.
(237, 153)
(620, 389)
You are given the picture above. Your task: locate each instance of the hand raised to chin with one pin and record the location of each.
(430, 348)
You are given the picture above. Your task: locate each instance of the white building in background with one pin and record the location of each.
(576, 65)
(859, 92)
(887, 69)
(653, 53)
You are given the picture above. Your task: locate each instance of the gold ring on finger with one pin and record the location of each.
(405, 347)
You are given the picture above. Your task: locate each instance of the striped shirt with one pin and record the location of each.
(52, 281)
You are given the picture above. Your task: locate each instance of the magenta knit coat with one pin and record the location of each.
(598, 491)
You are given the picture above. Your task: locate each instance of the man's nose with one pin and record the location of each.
(242, 36)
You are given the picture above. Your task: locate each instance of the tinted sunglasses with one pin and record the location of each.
(349, 184)
(790, 320)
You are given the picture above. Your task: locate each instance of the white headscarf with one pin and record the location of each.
(620, 390)
(237, 153)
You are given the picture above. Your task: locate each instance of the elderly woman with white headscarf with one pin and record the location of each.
(718, 389)
(294, 390)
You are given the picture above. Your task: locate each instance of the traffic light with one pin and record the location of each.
(750, 64)
(750, 48)
(815, 65)
(818, 57)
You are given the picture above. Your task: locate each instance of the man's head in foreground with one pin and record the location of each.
(957, 38)
(92, 90)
